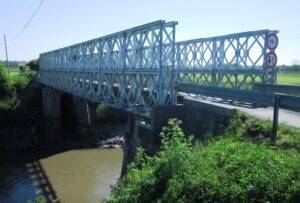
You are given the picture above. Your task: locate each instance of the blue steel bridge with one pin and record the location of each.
(138, 68)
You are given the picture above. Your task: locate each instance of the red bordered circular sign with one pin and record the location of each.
(272, 41)
(271, 60)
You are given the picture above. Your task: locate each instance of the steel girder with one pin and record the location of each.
(235, 60)
(131, 69)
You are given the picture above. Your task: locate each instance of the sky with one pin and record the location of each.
(60, 23)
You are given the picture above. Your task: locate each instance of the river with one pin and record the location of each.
(83, 175)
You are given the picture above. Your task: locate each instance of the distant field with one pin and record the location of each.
(292, 78)
(14, 71)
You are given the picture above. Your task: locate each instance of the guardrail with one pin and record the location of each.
(276, 88)
(257, 97)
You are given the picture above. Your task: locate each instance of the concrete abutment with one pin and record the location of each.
(63, 112)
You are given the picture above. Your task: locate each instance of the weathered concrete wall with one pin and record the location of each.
(65, 114)
(51, 103)
(82, 110)
(200, 118)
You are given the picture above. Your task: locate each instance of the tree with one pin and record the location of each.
(33, 64)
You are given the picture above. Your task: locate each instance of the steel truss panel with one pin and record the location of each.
(131, 69)
(235, 60)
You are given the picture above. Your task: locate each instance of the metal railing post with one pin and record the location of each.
(275, 118)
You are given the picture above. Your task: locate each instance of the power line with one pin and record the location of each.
(30, 19)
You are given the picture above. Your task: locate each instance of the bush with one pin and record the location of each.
(109, 114)
(34, 65)
(224, 170)
(6, 87)
(243, 127)
(22, 80)
(40, 199)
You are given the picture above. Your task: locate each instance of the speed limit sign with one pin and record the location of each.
(272, 41)
(271, 60)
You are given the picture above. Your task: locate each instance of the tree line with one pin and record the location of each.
(291, 68)
(33, 64)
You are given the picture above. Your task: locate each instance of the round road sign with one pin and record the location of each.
(271, 60)
(272, 41)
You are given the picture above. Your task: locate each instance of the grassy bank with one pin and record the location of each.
(292, 78)
(18, 81)
(239, 166)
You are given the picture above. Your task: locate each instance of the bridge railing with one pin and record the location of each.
(235, 60)
(129, 69)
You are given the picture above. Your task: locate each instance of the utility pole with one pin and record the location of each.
(7, 65)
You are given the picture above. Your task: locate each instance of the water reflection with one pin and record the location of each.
(71, 176)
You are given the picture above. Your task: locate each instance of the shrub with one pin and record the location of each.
(243, 127)
(224, 170)
(288, 137)
(6, 87)
(21, 81)
(34, 65)
(257, 128)
(106, 113)
(41, 199)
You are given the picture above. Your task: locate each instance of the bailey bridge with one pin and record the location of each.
(139, 68)
(143, 70)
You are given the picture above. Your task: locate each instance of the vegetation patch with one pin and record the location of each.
(21, 80)
(231, 168)
(108, 114)
(6, 86)
(244, 127)
(292, 78)
(11, 86)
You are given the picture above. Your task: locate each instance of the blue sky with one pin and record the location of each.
(59, 23)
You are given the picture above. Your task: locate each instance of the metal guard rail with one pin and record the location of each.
(278, 88)
(264, 98)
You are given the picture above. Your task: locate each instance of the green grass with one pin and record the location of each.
(291, 78)
(288, 137)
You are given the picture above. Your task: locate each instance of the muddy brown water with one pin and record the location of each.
(83, 175)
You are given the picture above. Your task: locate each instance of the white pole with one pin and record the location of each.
(7, 65)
